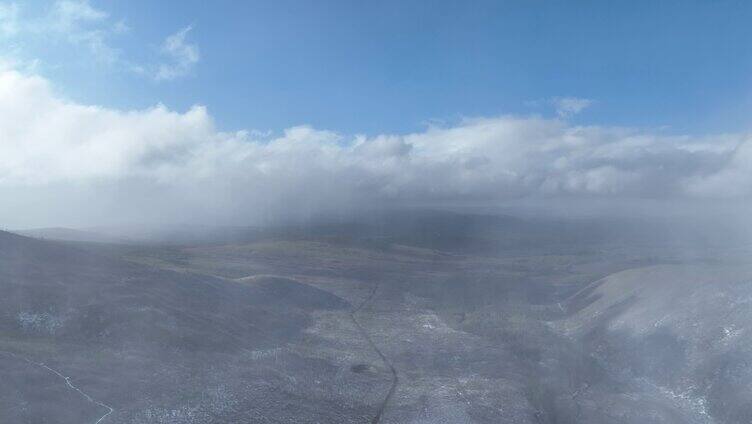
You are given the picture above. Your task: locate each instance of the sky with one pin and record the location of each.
(230, 111)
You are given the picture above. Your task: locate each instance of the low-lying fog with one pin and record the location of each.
(405, 316)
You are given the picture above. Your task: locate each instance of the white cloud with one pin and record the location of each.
(91, 33)
(569, 106)
(71, 15)
(182, 55)
(97, 164)
(75, 22)
(121, 27)
(82, 24)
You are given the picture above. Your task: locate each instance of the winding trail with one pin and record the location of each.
(68, 383)
(395, 378)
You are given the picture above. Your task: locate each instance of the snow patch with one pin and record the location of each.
(44, 322)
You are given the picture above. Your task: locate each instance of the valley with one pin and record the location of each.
(335, 325)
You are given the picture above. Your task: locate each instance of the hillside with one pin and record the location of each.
(70, 234)
(154, 344)
(334, 327)
(683, 329)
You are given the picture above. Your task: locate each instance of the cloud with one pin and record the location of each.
(121, 27)
(182, 55)
(60, 160)
(569, 106)
(76, 24)
(71, 15)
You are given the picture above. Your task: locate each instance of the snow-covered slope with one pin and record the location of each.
(684, 329)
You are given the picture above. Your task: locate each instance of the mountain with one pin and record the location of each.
(567, 322)
(681, 328)
(137, 339)
(69, 234)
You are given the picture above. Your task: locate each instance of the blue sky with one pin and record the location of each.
(231, 112)
(391, 66)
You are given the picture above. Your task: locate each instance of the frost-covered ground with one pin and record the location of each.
(311, 328)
